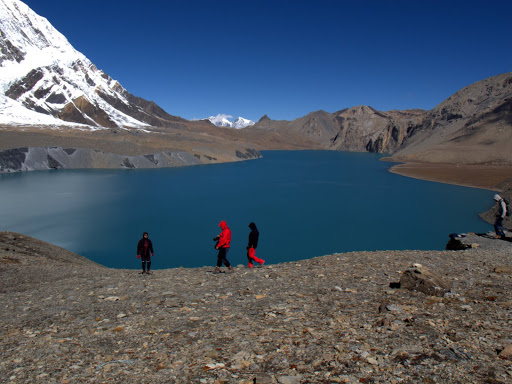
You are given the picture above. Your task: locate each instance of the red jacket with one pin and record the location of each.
(225, 235)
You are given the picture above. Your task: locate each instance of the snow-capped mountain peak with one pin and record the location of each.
(44, 80)
(240, 122)
(223, 121)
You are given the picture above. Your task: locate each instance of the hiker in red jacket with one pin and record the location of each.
(223, 244)
(144, 250)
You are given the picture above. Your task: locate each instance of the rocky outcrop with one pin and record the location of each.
(366, 129)
(421, 279)
(82, 111)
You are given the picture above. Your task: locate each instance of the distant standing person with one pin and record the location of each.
(144, 252)
(254, 236)
(501, 212)
(223, 244)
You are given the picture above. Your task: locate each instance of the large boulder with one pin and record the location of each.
(456, 244)
(419, 278)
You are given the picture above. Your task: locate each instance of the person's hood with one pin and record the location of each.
(223, 225)
(252, 226)
(497, 197)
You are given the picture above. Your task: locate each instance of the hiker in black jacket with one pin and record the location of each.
(145, 251)
(501, 212)
(251, 247)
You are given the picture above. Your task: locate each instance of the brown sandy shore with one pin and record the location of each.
(330, 319)
(498, 178)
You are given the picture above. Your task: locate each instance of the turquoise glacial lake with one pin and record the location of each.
(305, 204)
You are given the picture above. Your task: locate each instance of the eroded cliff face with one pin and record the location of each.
(360, 128)
(45, 158)
(366, 129)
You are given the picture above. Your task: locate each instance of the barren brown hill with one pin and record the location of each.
(474, 126)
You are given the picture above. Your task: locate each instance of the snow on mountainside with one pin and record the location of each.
(240, 122)
(44, 80)
(223, 121)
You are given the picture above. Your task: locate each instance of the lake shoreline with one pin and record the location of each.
(331, 188)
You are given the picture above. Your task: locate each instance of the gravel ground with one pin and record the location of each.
(331, 319)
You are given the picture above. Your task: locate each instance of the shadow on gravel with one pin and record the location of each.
(488, 236)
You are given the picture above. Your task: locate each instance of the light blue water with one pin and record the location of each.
(305, 204)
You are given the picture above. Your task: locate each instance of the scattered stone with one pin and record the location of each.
(112, 298)
(504, 269)
(289, 379)
(263, 378)
(419, 278)
(507, 352)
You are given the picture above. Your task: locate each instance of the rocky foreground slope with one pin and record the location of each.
(331, 319)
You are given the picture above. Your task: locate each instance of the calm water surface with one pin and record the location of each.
(305, 204)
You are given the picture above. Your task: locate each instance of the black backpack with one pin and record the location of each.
(507, 203)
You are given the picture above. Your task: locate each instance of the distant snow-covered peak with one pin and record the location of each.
(223, 121)
(240, 122)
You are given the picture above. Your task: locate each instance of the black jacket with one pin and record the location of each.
(141, 250)
(253, 236)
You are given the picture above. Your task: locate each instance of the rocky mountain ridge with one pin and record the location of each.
(43, 76)
(47, 88)
(472, 126)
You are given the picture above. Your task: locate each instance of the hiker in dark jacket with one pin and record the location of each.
(501, 212)
(254, 236)
(144, 252)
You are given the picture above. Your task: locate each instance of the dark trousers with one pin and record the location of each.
(498, 226)
(222, 257)
(146, 260)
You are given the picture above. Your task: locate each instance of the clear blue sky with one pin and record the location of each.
(291, 57)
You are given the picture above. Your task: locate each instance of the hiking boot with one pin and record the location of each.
(262, 262)
(216, 270)
(250, 265)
